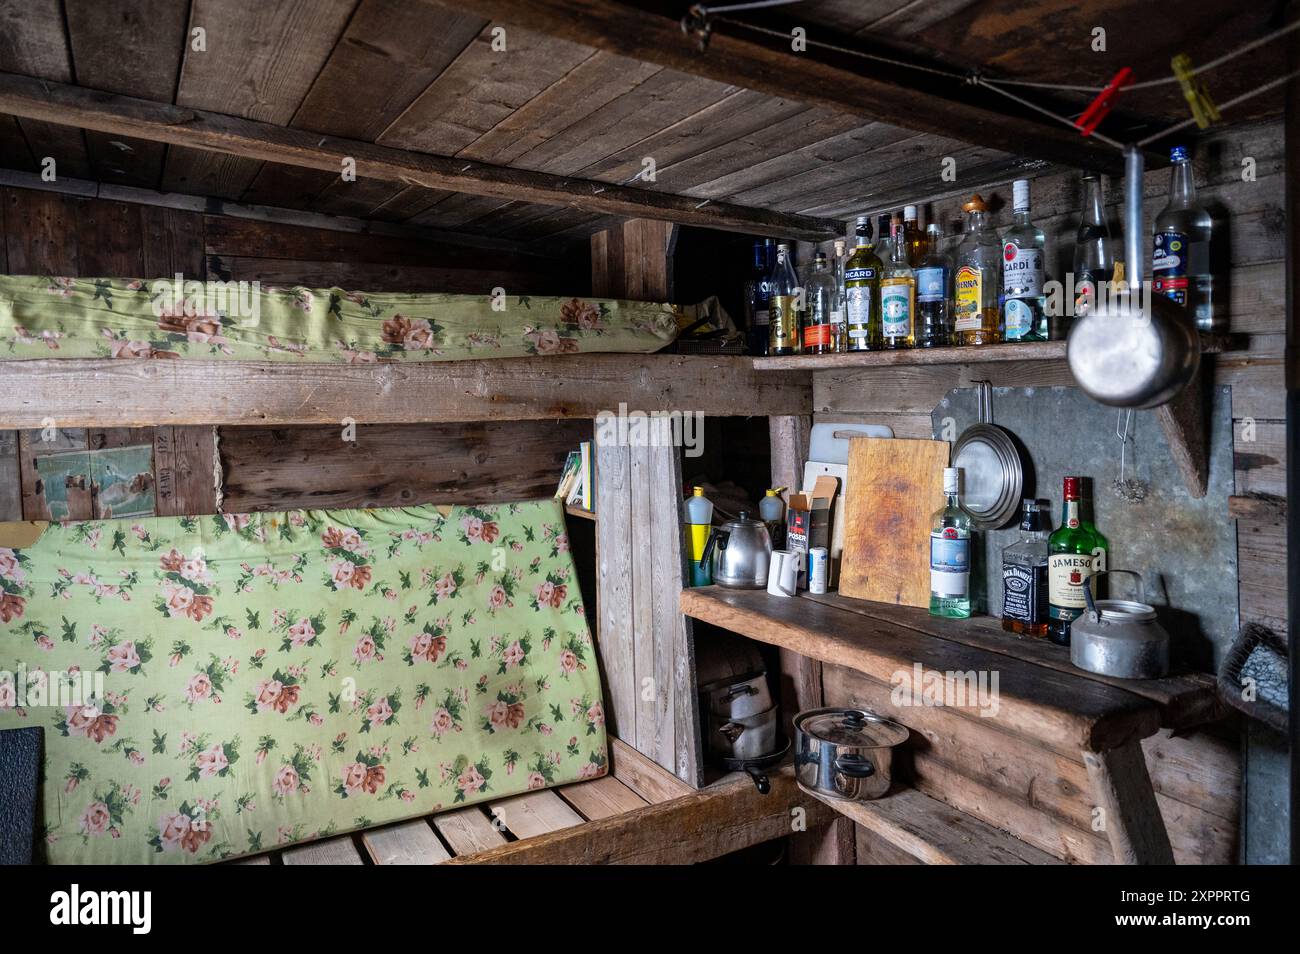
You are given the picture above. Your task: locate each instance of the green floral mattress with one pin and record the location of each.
(52, 317)
(215, 686)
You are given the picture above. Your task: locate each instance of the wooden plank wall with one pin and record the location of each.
(1197, 778)
(47, 233)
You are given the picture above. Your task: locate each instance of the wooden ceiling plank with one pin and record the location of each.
(872, 91)
(260, 62)
(250, 139)
(154, 31)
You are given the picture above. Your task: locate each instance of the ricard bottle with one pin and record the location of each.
(1075, 551)
(898, 295)
(933, 288)
(950, 539)
(862, 292)
(1180, 261)
(1024, 574)
(977, 280)
(1024, 307)
(783, 306)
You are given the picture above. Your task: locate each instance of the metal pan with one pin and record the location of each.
(993, 474)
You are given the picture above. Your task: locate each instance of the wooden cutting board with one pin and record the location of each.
(894, 488)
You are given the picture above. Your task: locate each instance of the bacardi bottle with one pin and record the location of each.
(1024, 574)
(783, 306)
(1076, 551)
(950, 538)
(1180, 263)
(862, 292)
(1024, 307)
(977, 281)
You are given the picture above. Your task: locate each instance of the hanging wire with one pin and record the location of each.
(737, 7)
(979, 81)
(1236, 100)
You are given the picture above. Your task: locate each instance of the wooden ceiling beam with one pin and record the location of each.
(880, 93)
(67, 105)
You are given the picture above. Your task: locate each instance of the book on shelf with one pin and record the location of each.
(577, 484)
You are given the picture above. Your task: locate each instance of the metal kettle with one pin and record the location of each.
(1128, 352)
(741, 550)
(1120, 637)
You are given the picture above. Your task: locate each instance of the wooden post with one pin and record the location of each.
(1132, 819)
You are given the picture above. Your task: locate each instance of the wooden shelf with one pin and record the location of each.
(985, 354)
(1040, 695)
(936, 834)
(575, 511)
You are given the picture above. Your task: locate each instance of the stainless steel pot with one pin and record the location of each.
(1120, 637)
(1137, 350)
(738, 696)
(845, 753)
(747, 737)
(741, 550)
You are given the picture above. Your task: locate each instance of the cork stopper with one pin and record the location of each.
(976, 204)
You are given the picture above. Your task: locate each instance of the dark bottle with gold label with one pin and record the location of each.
(784, 333)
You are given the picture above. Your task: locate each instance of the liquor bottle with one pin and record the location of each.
(1024, 574)
(977, 281)
(933, 281)
(916, 239)
(1024, 307)
(950, 536)
(819, 305)
(898, 295)
(783, 306)
(758, 290)
(884, 236)
(1180, 264)
(1094, 261)
(862, 292)
(838, 332)
(1075, 551)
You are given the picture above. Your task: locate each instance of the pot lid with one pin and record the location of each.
(854, 728)
(1125, 611)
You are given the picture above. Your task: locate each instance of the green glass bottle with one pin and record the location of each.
(862, 292)
(1075, 551)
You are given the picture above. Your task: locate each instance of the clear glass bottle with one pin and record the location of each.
(898, 295)
(783, 306)
(838, 331)
(1180, 263)
(950, 550)
(915, 238)
(1075, 551)
(862, 292)
(1024, 308)
(884, 236)
(1024, 574)
(933, 290)
(1094, 258)
(977, 280)
(819, 304)
(757, 291)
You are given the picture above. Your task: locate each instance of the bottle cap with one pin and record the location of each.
(1071, 488)
(951, 480)
(820, 257)
(839, 247)
(697, 491)
(1020, 195)
(1178, 154)
(976, 204)
(862, 220)
(909, 213)
(774, 491)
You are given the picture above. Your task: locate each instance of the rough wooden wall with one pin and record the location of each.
(48, 233)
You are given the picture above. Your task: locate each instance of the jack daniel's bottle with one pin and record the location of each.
(1024, 575)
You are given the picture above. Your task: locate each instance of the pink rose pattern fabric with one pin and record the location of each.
(273, 678)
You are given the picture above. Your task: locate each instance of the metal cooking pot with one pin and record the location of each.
(1122, 353)
(741, 550)
(1120, 637)
(845, 753)
(743, 737)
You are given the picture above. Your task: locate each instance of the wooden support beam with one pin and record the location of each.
(874, 91)
(109, 393)
(145, 119)
(1183, 422)
(1131, 819)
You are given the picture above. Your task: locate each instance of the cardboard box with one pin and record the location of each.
(808, 523)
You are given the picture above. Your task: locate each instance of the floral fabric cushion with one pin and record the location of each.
(53, 317)
(214, 686)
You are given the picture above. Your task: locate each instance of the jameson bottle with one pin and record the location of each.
(1094, 261)
(820, 296)
(1180, 263)
(783, 306)
(1075, 551)
(977, 280)
(758, 290)
(933, 280)
(1024, 574)
(898, 296)
(950, 535)
(862, 292)
(1024, 307)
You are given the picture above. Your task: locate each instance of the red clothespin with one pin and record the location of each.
(1104, 103)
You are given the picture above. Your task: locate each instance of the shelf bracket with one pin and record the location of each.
(1183, 423)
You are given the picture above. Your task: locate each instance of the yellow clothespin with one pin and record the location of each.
(1203, 109)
